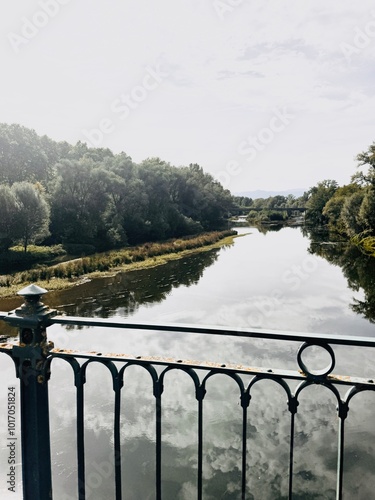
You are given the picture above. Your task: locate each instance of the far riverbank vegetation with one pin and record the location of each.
(62, 202)
(346, 212)
(64, 274)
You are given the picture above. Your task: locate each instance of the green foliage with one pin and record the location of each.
(32, 218)
(276, 216)
(338, 217)
(350, 213)
(252, 215)
(318, 196)
(9, 210)
(106, 261)
(25, 156)
(56, 193)
(366, 214)
(350, 209)
(277, 201)
(243, 201)
(78, 249)
(78, 201)
(16, 259)
(367, 158)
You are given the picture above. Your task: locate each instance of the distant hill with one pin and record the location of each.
(266, 194)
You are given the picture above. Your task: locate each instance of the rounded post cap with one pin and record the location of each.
(32, 291)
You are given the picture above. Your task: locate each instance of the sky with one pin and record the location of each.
(263, 94)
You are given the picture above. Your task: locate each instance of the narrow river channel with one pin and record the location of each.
(273, 280)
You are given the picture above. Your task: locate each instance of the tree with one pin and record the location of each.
(367, 158)
(349, 213)
(366, 215)
(24, 156)
(333, 209)
(277, 201)
(81, 150)
(126, 212)
(78, 200)
(318, 196)
(32, 220)
(9, 213)
(204, 199)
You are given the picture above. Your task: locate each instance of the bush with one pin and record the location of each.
(276, 216)
(16, 259)
(109, 260)
(79, 249)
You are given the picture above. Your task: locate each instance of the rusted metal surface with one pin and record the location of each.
(206, 365)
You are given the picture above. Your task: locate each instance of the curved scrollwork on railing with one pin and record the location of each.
(36, 357)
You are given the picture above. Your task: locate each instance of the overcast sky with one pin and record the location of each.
(275, 94)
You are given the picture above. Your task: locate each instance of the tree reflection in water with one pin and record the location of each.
(125, 292)
(268, 417)
(358, 268)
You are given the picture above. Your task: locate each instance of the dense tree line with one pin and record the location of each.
(350, 209)
(272, 202)
(54, 192)
(276, 208)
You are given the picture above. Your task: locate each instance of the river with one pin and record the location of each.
(280, 280)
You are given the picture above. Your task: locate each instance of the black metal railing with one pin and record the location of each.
(32, 354)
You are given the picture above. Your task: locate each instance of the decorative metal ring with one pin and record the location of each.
(316, 373)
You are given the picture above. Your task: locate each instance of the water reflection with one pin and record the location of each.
(266, 228)
(220, 287)
(358, 268)
(268, 435)
(126, 292)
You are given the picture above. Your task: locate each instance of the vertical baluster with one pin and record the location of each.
(342, 413)
(158, 389)
(200, 393)
(117, 439)
(245, 401)
(79, 382)
(293, 404)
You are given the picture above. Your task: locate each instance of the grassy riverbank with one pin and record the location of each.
(73, 272)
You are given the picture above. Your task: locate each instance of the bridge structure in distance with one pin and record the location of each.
(289, 210)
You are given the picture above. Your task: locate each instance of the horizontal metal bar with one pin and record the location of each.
(202, 365)
(217, 330)
(206, 365)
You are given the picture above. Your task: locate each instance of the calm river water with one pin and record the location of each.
(280, 280)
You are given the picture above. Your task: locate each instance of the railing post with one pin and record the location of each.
(31, 358)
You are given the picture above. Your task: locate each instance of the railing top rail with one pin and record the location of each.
(314, 338)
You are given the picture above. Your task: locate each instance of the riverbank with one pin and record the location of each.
(73, 272)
